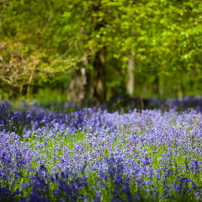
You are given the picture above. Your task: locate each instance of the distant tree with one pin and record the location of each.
(153, 41)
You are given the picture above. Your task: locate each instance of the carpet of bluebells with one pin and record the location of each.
(94, 155)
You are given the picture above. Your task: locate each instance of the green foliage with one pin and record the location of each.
(41, 38)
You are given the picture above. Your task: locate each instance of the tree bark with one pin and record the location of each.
(80, 83)
(131, 76)
(79, 86)
(86, 77)
(99, 95)
(75, 86)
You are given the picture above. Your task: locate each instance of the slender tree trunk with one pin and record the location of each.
(79, 86)
(99, 95)
(76, 86)
(131, 76)
(86, 77)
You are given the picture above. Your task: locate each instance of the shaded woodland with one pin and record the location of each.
(99, 50)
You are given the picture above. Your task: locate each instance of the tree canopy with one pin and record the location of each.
(42, 38)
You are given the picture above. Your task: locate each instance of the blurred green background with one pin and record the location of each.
(96, 50)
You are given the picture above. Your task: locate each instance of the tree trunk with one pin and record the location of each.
(99, 95)
(75, 86)
(131, 76)
(86, 77)
(79, 86)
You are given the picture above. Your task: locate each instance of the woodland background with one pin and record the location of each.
(97, 50)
